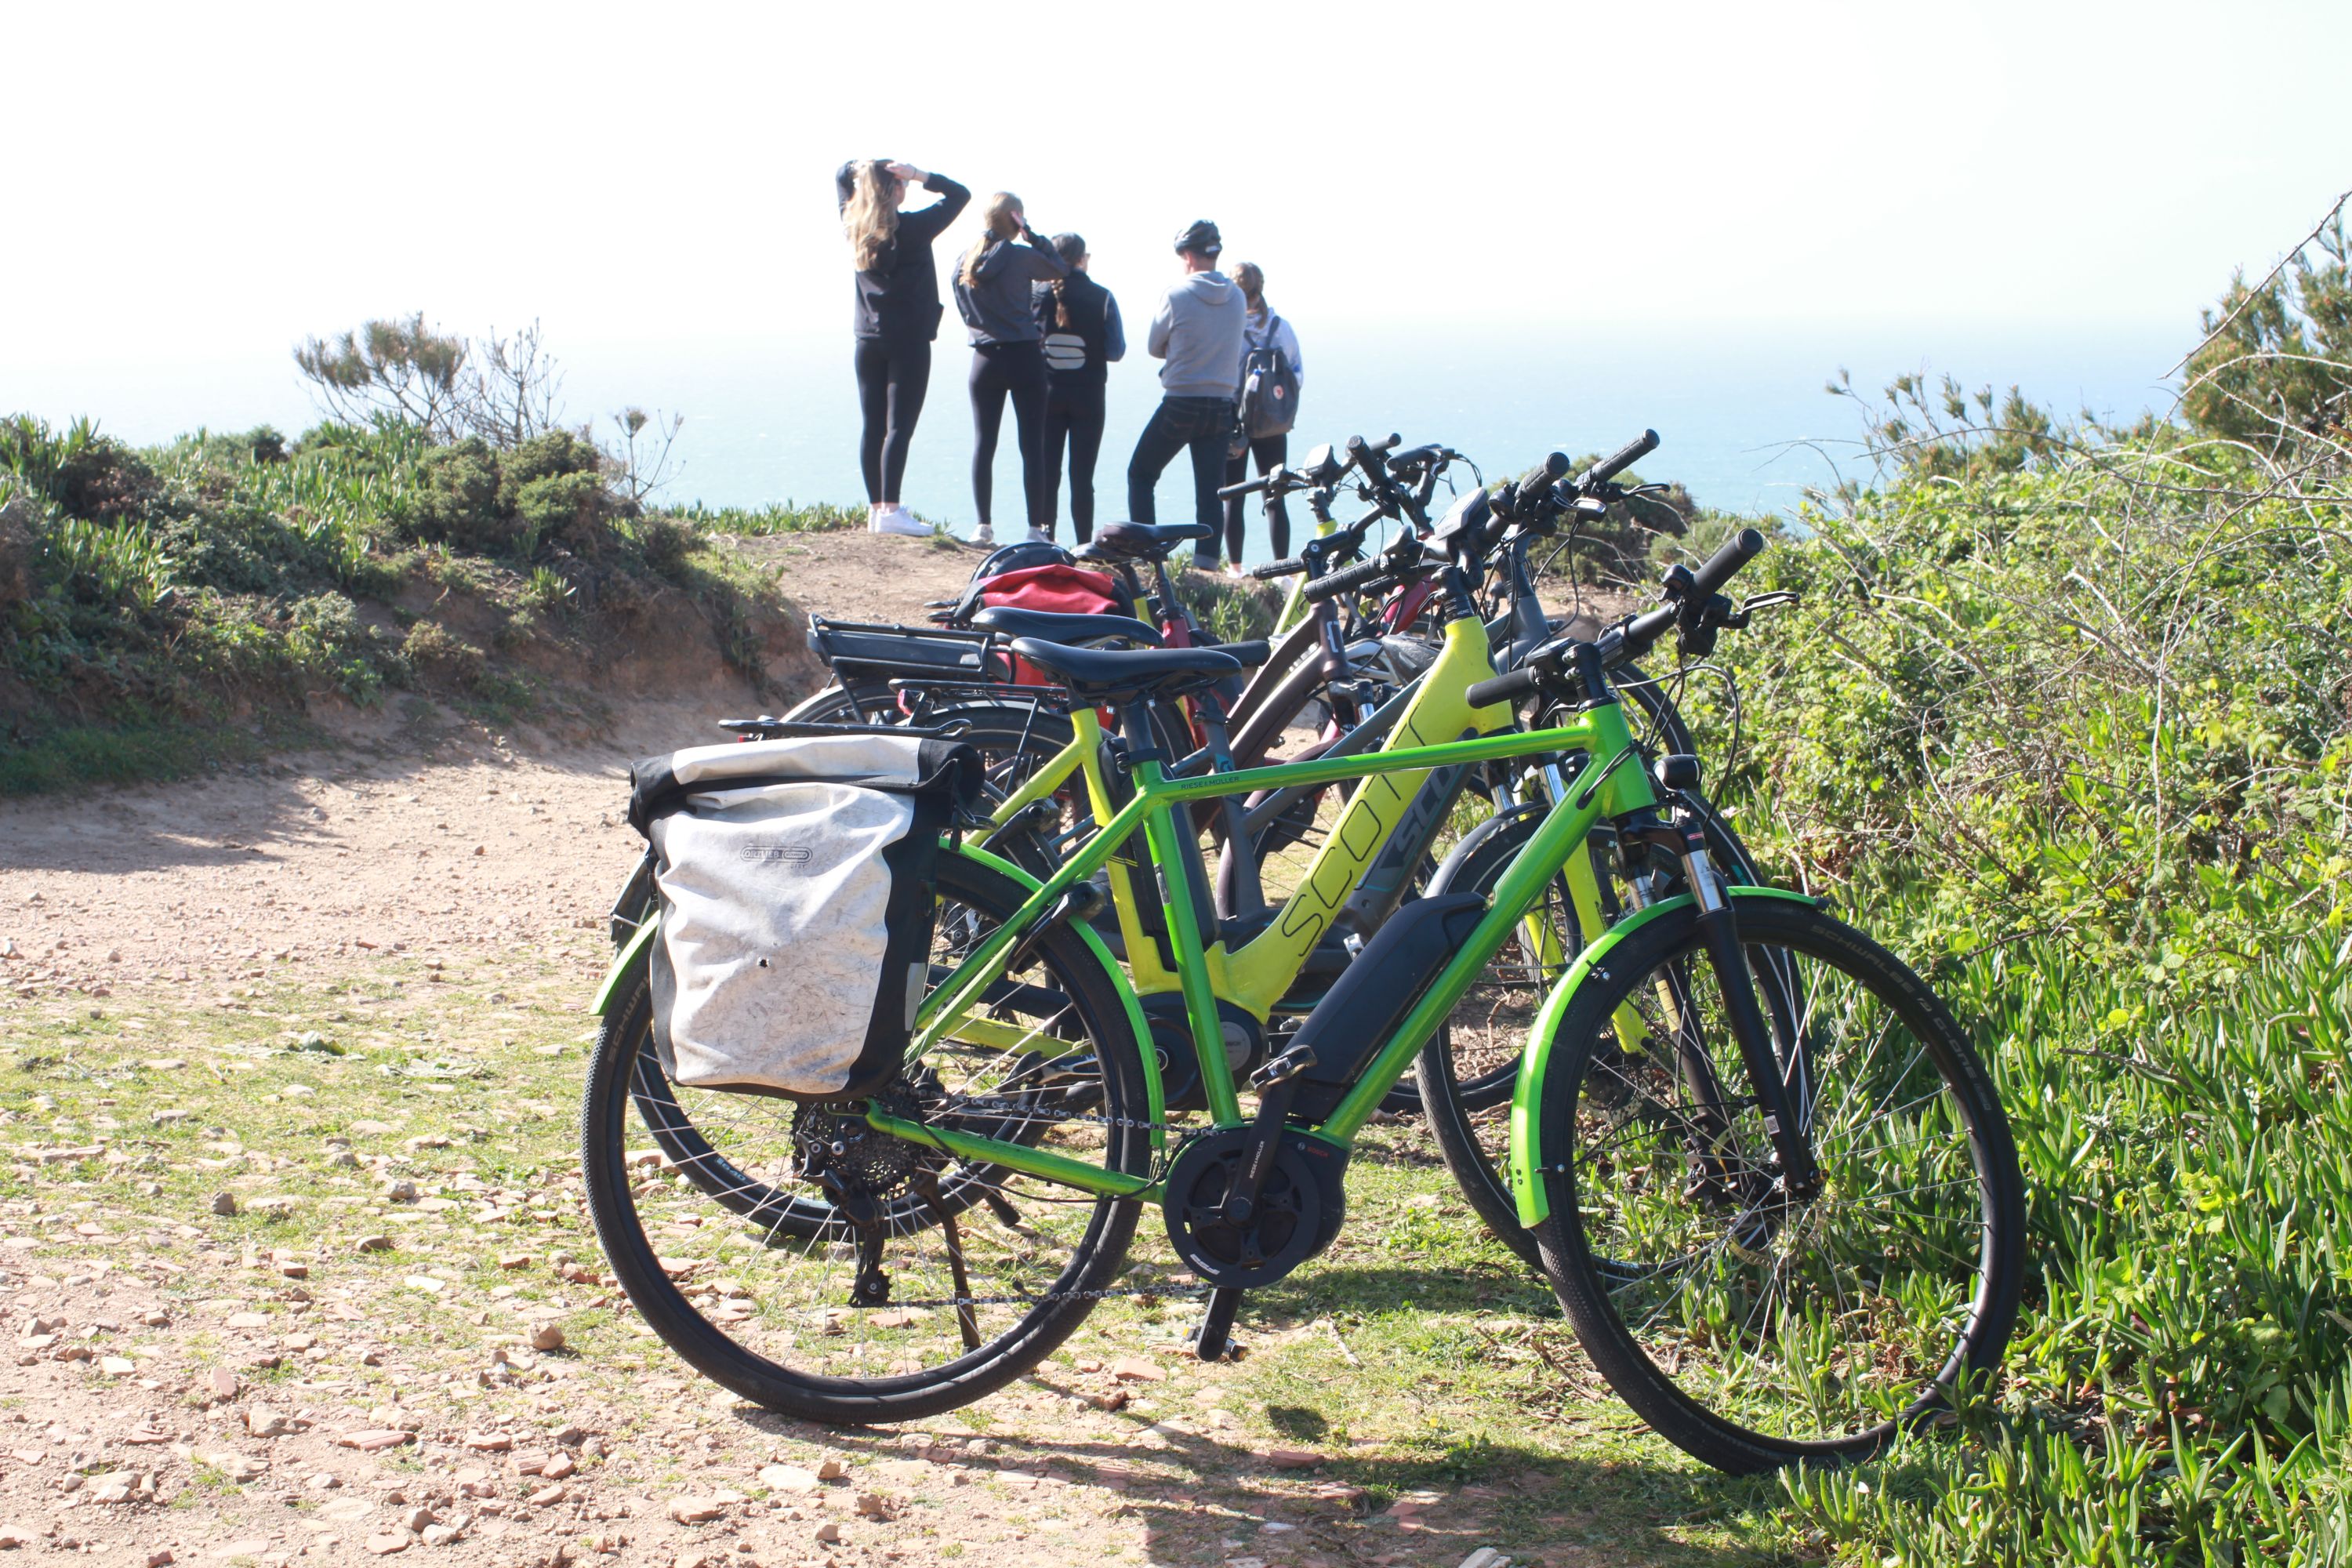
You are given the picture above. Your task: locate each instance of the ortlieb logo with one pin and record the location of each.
(760, 854)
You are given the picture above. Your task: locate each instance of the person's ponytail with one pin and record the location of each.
(1001, 220)
(1070, 248)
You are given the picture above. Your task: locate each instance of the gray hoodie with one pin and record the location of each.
(1198, 330)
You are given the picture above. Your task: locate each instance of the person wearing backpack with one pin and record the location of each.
(897, 317)
(1083, 335)
(1198, 332)
(1268, 399)
(992, 294)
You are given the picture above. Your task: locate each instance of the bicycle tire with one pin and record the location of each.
(1098, 1251)
(1469, 1119)
(1729, 1348)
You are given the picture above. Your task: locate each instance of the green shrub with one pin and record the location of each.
(461, 504)
(433, 649)
(2086, 701)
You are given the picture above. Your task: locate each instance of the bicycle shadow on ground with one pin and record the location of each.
(1196, 1497)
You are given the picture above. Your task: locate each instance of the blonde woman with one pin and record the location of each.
(895, 319)
(993, 295)
(1263, 331)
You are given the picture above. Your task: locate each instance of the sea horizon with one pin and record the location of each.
(1743, 420)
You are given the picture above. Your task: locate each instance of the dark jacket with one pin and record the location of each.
(898, 299)
(996, 308)
(1080, 353)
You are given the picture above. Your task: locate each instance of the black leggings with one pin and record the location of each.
(1074, 417)
(1019, 369)
(892, 380)
(1270, 452)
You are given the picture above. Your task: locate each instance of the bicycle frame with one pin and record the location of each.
(1258, 973)
(1603, 787)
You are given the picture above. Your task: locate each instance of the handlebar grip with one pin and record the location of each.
(1625, 457)
(1738, 551)
(1539, 480)
(1288, 566)
(1507, 688)
(1247, 487)
(1644, 630)
(1337, 582)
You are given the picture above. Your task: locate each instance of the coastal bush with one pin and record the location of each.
(148, 593)
(2065, 714)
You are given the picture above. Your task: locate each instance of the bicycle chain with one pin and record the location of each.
(1039, 1113)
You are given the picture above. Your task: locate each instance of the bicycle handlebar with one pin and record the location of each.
(1531, 488)
(1249, 487)
(1692, 605)
(1334, 584)
(1507, 688)
(1625, 457)
(1736, 552)
(1288, 566)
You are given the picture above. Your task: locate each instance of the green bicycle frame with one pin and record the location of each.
(1602, 787)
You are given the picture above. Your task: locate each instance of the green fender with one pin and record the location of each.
(1526, 1093)
(625, 963)
(633, 957)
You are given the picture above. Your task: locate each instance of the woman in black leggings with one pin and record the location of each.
(991, 290)
(1083, 335)
(897, 315)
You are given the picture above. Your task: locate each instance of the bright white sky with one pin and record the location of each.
(197, 186)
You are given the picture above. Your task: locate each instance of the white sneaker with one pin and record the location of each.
(892, 518)
(1039, 536)
(874, 517)
(984, 536)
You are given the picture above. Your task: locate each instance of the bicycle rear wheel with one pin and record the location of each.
(1751, 1328)
(847, 1276)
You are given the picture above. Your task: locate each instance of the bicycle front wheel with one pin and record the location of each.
(1750, 1327)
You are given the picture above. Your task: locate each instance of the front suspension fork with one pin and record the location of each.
(1785, 1122)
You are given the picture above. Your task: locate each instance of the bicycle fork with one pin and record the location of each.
(1798, 1171)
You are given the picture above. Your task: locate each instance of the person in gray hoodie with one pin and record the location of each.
(1198, 332)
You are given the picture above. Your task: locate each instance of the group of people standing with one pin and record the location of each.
(1044, 337)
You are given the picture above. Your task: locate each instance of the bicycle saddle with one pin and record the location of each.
(1248, 654)
(1103, 672)
(1153, 541)
(1051, 625)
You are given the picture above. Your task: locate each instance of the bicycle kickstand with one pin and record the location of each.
(1213, 1340)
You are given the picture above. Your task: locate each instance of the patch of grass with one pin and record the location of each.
(38, 761)
(759, 522)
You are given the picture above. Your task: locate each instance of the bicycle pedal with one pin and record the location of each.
(1284, 1067)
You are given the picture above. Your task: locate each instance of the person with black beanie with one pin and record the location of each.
(897, 317)
(1082, 336)
(1198, 332)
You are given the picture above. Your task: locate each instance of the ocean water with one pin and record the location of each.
(1744, 424)
(1743, 419)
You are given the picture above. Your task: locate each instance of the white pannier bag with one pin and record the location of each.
(797, 906)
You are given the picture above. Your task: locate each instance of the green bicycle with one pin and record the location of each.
(1771, 1182)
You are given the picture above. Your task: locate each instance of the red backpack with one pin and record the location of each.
(1063, 590)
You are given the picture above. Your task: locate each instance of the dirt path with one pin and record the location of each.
(402, 838)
